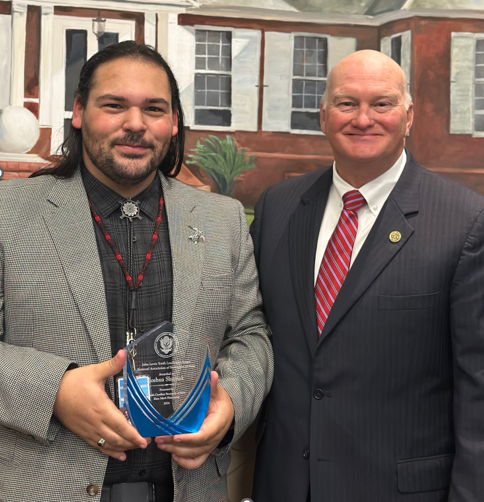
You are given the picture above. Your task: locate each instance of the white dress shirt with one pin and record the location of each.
(375, 192)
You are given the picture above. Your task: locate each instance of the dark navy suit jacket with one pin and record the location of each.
(388, 405)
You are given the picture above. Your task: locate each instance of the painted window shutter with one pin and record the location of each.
(245, 79)
(339, 48)
(184, 70)
(406, 56)
(386, 46)
(461, 82)
(276, 113)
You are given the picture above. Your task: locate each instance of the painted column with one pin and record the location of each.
(150, 28)
(46, 50)
(168, 37)
(19, 21)
(5, 59)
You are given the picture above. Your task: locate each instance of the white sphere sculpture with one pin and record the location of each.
(19, 129)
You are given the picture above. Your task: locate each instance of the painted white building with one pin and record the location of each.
(255, 69)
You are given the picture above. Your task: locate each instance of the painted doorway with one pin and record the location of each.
(73, 44)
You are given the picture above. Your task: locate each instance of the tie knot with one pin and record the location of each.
(353, 200)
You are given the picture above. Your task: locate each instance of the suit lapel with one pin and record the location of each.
(304, 229)
(70, 225)
(378, 250)
(187, 258)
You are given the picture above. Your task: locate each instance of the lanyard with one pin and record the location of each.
(133, 288)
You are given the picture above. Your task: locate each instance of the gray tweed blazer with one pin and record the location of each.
(53, 313)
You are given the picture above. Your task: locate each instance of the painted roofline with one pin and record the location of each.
(190, 7)
(331, 19)
(121, 5)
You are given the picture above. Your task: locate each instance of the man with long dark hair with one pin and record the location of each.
(96, 250)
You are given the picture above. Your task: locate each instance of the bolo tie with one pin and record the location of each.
(130, 209)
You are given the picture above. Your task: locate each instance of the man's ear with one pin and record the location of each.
(409, 119)
(77, 114)
(174, 129)
(322, 117)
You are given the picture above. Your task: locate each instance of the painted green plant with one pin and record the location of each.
(222, 161)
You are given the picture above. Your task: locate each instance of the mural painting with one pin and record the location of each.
(251, 75)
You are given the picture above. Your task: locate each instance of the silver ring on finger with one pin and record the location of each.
(101, 442)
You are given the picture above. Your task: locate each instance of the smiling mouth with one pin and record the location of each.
(132, 141)
(132, 151)
(363, 136)
(132, 147)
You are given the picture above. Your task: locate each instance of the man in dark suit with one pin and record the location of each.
(372, 274)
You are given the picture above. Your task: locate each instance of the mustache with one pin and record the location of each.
(133, 140)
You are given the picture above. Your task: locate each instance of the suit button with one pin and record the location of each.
(92, 490)
(306, 453)
(318, 394)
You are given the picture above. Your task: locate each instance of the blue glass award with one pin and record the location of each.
(156, 379)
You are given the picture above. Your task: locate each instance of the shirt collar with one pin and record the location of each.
(106, 201)
(375, 192)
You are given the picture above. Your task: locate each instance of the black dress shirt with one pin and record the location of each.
(153, 304)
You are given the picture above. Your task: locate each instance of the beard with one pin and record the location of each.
(130, 172)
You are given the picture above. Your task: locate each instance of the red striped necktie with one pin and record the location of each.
(337, 257)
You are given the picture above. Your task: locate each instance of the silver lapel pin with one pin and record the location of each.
(197, 236)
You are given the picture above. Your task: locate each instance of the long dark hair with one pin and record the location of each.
(71, 148)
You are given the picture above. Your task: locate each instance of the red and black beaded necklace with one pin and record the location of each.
(133, 288)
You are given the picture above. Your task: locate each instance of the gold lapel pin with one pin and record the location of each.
(395, 236)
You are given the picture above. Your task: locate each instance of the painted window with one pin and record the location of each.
(76, 56)
(310, 71)
(106, 39)
(479, 87)
(72, 43)
(396, 49)
(218, 74)
(213, 78)
(467, 84)
(399, 48)
(296, 66)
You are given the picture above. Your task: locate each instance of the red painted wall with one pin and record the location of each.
(457, 156)
(5, 7)
(434, 145)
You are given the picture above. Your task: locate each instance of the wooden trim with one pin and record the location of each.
(139, 30)
(92, 13)
(156, 34)
(261, 80)
(32, 52)
(339, 30)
